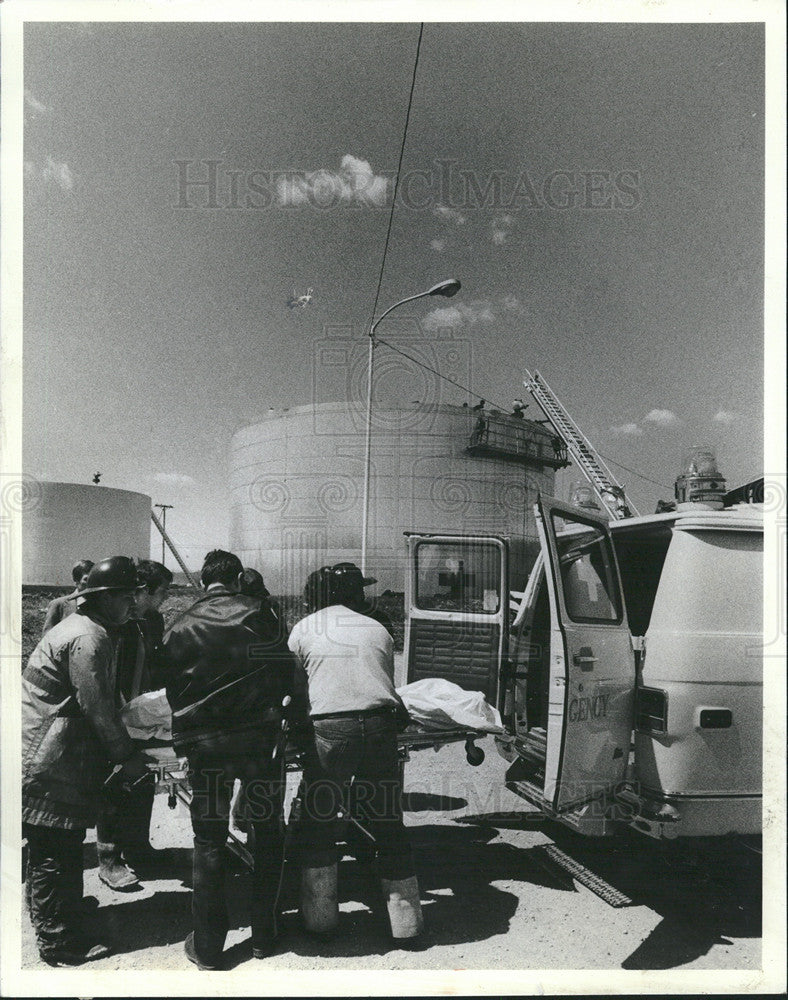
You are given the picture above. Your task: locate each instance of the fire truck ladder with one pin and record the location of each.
(590, 463)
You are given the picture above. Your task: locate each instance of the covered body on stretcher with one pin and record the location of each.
(441, 713)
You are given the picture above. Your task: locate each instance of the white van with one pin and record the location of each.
(629, 678)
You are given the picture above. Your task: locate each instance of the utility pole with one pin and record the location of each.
(163, 507)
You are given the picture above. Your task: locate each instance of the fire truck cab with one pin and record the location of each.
(628, 674)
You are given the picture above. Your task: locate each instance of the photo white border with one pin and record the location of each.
(267, 982)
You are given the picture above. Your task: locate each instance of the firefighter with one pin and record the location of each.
(349, 662)
(71, 736)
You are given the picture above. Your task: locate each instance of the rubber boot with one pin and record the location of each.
(404, 907)
(113, 870)
(319, 903)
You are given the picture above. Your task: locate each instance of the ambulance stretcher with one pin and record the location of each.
(171, 770)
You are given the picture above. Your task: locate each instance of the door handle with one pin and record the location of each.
(584, 659)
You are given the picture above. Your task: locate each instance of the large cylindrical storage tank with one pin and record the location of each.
(297, 482)
(66, 522)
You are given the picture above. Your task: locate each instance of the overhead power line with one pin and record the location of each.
(500, 406)
(397, 350)
(396, 179)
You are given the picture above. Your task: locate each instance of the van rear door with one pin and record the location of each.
(457, 607)
(592, 667)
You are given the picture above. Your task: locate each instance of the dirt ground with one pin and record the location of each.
(492, 899)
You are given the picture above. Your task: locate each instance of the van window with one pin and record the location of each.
(640, 561)
(588, 576)
(458, 577)
(713, 582)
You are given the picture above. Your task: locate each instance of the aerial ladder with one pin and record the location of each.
(590, 463)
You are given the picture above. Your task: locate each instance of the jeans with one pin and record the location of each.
(354, 764)
(211, 777)
(53, 884)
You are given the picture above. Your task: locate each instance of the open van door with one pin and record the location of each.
(457, 609)
(592, 666)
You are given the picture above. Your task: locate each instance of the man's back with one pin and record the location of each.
(58, 609)
(226, 666)
(348, 658)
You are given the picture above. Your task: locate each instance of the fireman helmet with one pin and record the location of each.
(115, 573)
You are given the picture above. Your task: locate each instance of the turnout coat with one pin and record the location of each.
(71, 729)
(228, 670)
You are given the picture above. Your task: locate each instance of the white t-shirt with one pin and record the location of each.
(348, 658)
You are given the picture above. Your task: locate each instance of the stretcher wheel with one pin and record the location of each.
(473, 754)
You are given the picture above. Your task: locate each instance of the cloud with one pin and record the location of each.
(36, 106)
(53, 172)
(512, 304)
(462, 314)
(501, 225)
(662, 418)
(626, 430)
(173, 479)
(438, 245)
(355, 181)
(727, 417)
(450, 215)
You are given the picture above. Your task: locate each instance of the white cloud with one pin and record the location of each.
(355, 181)
(36, 106)
(501, 225)
(462, 314)
(173, 479)
(727, 417)
(447, 214)
(438, 245)
(512, 304)
(662, 418)
(53, 172)
(626, 430)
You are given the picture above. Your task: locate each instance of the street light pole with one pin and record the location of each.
(446, 289)
(163, 507)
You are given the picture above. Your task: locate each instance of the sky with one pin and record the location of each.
(597, 189)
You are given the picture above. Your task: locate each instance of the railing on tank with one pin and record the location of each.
(516, 439)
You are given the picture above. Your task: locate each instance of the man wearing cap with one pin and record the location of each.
(349, 661)
(71, 736)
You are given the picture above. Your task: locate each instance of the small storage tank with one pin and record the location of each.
(65, 522)
(297, 486)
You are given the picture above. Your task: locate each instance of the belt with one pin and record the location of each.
(380, 710)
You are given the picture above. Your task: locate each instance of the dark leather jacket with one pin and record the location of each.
(227, 670)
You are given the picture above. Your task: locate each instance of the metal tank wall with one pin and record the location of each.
(65, 522)
(297, 490)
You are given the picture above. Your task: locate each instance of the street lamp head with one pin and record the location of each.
(446, 288)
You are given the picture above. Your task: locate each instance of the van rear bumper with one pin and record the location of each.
(670, 816)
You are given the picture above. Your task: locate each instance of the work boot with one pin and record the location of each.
(319, 903)
(113, 870)
(191, 954)
(74, 952)
(404, 907)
